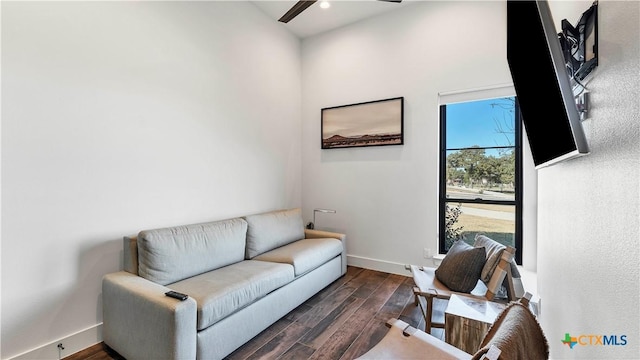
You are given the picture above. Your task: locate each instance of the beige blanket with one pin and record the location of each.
(517, 333)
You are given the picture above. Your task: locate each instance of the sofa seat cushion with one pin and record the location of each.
(305, 255)
(223, 291)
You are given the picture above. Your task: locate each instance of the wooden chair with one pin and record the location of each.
(516, 334)
(428, 287)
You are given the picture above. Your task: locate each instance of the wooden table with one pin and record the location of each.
(467, 320)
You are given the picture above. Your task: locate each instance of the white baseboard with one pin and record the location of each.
(377, 264)
(71, 344)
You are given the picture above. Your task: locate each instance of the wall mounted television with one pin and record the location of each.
(542, 83)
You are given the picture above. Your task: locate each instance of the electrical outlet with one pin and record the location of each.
(426, 253)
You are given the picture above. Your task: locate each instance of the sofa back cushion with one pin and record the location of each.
(171, 254)
(273, 229)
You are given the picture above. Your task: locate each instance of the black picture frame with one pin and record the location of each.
(371, 123)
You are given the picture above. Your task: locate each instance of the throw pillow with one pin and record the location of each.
(461, 268)
(494, 253)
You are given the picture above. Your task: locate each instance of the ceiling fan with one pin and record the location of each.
(302, 5)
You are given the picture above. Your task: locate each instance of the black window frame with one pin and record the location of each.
(517, 202)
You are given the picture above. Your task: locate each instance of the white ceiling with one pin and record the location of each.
(315, 20)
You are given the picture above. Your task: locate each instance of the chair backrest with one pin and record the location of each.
(517, 333)
(502, 272)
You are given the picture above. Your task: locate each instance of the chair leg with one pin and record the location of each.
(429, 314)
(427, 310)
(415, 290)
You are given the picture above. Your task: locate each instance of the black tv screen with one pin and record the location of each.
(542, 83)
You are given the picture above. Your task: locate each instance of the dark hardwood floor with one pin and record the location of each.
(342, 321)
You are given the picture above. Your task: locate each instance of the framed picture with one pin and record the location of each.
(373, 123)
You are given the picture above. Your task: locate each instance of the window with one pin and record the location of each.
(481, 172)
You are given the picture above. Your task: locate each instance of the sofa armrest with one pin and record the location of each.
(314, 234)
(139, 321)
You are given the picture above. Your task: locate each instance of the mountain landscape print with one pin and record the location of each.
(373, 123)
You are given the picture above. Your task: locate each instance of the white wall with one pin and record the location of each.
(386, 197)
(589, 208)
(123, 116)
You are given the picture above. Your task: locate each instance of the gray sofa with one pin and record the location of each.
(241, 275)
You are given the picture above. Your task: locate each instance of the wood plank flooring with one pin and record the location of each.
(343, 321)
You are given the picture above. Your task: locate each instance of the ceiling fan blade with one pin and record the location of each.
(299, 7)
(393, 1)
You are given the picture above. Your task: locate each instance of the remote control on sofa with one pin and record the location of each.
(177, 295)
